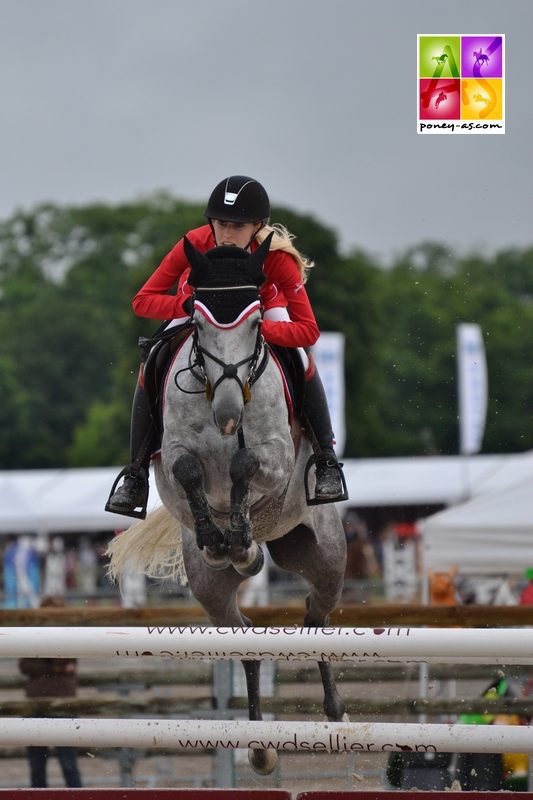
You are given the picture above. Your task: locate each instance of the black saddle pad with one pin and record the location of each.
(294, 373)
(158, 360)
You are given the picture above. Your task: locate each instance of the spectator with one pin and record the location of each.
(483, 772)
(526, 596)
(51, 677)
(87, 568)
(10, 573)
(22, 580)
(361, 561)
(55, 569)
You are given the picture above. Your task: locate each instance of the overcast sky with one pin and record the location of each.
(113, 99)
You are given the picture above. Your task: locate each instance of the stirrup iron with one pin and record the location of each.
(127, 473)
(317, 501)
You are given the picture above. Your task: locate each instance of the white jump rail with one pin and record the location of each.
(389, 645)
(501, 646)
(348, 737)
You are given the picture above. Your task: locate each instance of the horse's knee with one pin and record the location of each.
(188, 472)
(243, 466)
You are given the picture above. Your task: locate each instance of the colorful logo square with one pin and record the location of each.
(440, 99)
(482, 57)
(481, 99)
(460, 83)
(439, 56)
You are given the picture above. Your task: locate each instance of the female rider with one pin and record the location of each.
(238, 213)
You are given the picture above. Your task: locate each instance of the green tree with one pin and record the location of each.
(68, 336)
(424, 297)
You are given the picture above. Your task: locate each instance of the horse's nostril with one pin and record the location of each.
(227, 422)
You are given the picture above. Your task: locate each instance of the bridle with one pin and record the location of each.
(230, 371)
(257, 361)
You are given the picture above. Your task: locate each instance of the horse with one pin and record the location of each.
(480, 57)
(442, 96)
(231, 471)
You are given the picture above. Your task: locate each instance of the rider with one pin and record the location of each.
(238, 213)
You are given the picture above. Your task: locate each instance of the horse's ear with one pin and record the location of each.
(199, 263)
(257, 259)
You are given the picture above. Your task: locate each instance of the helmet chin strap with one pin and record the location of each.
(254, 234)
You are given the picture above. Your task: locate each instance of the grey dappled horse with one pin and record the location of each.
(231, 471)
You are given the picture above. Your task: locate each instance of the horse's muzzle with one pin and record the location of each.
(228, 420)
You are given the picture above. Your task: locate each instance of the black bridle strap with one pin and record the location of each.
(230, 370)
(256, 373)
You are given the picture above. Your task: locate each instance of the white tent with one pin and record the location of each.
(59, 501)
(418, 480)
(70, 500)
(492, 534)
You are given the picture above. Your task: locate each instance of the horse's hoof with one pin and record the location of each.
(252, 563)
(216, 557)
(210, 536)
(262, 761)
(239, 537)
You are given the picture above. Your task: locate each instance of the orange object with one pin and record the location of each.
(442, 588)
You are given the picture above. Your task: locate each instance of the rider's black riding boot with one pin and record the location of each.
(133, 493)
(330, 485)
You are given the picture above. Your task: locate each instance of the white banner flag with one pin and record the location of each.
(328, 353)
(472, 387)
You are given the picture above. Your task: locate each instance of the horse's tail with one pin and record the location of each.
(151, 546)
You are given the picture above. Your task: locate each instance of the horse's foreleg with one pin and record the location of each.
(243, 467)
(188, 472)
(262, 761)
(246, 555)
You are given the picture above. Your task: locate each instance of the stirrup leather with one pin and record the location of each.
(316, 501)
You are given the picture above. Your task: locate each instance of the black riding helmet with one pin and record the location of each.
(239, 199)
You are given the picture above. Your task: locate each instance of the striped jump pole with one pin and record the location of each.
(502, 646)
(186, 734)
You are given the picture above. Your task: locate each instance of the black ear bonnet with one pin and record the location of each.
(226, 278)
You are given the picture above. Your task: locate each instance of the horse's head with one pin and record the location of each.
(227, 316)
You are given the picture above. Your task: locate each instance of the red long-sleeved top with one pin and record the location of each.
(283, 287)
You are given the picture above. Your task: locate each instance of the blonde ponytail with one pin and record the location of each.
(283, 240)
